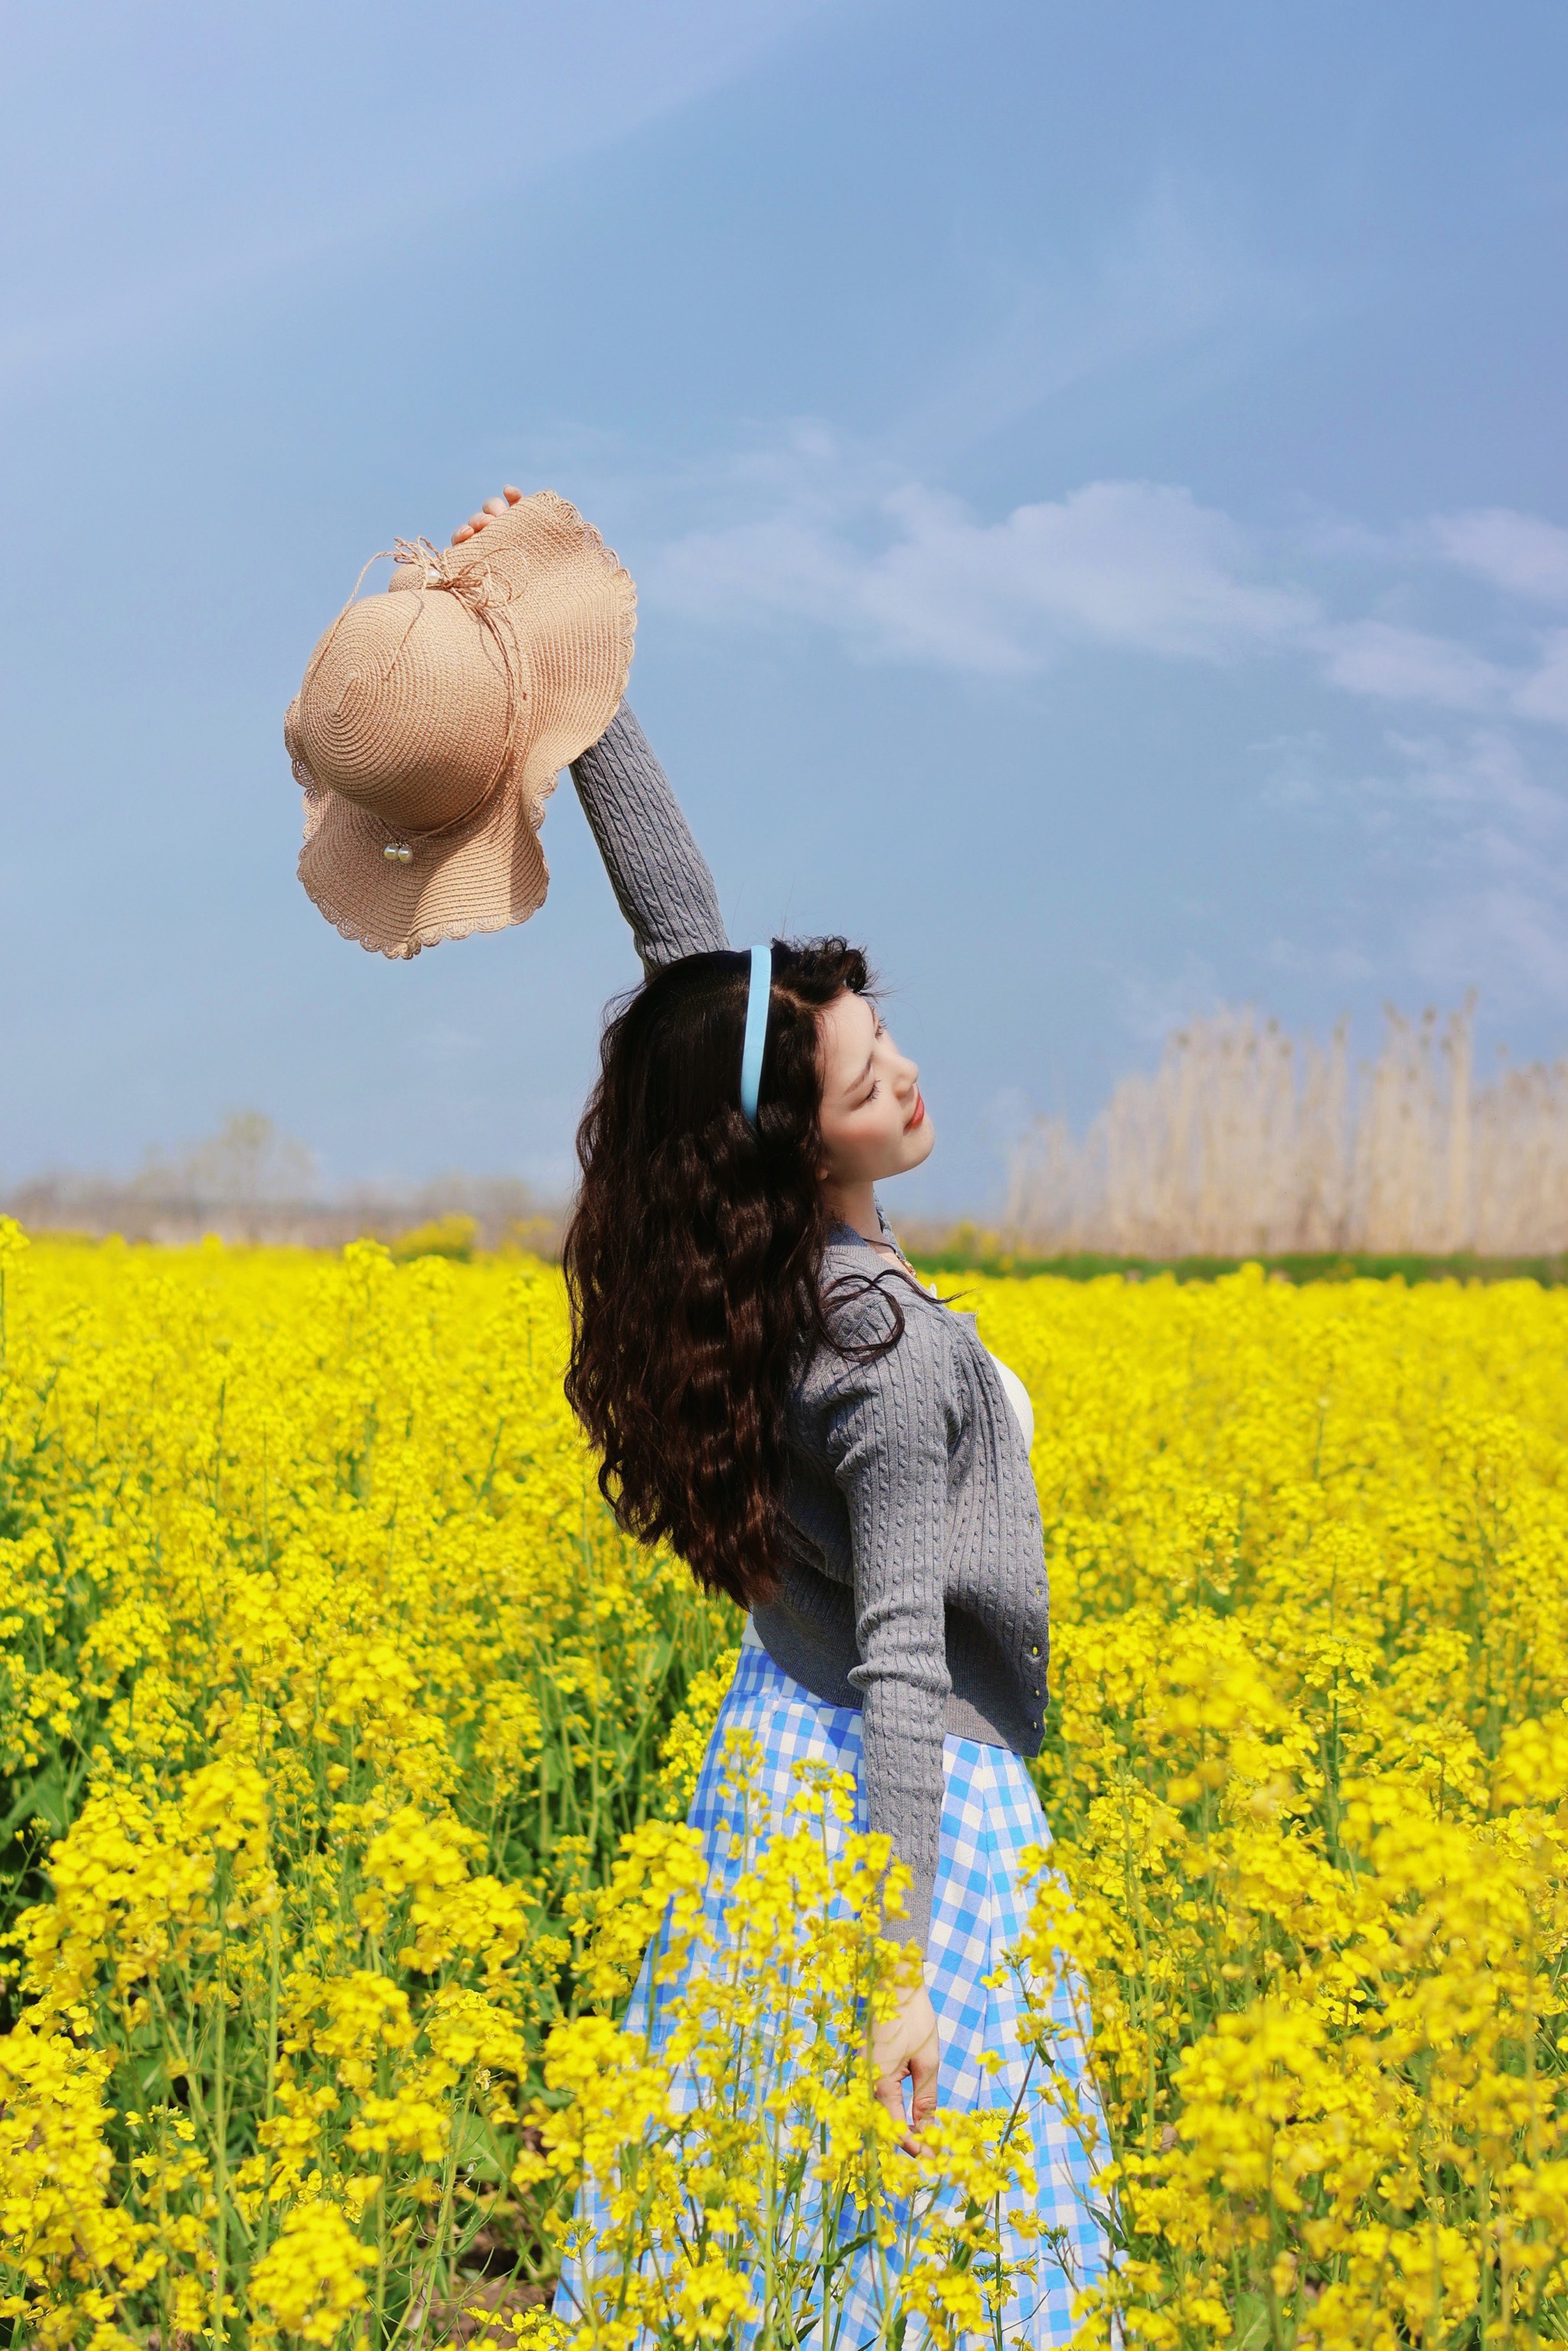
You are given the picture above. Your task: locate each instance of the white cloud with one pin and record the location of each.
(1457, 835)
(1514, 932)
(810, 530)
(1129, 563)
(1400, 665)
(911, 574)
(1473, 812)
(1486, 781)
(1461, 802)
(1518, 552)
(1546, 694)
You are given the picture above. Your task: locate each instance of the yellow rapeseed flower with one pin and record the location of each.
(347, 1742)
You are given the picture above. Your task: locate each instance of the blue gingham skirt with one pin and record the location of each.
(979, 1908)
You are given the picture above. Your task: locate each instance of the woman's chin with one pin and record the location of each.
(914, 1146)
(919, 1142)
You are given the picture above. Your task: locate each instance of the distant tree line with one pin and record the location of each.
(251, 1182)
(1244, 1141)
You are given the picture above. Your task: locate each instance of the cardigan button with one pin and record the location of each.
(1034, 1648)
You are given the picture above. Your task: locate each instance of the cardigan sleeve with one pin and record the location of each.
(659, 875)
(887, 1428)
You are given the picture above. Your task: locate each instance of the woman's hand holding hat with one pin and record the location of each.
(477, 522)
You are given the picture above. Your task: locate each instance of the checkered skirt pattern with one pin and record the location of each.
(990, 1815)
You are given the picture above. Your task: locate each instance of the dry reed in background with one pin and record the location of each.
(1247, 1139)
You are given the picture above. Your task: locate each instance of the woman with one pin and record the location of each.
(775, 1393)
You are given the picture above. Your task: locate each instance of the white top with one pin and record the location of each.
(1017, 1394)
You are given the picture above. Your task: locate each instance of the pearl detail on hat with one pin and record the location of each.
(398, 852)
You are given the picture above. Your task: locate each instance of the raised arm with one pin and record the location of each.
(658, 873)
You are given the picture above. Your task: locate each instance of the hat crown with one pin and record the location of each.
(405, 711)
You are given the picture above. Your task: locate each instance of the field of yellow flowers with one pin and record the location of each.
(345, 1744)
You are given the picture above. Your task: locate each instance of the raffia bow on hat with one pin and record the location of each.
(434, 718)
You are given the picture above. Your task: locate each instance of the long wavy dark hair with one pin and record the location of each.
(693, 1255)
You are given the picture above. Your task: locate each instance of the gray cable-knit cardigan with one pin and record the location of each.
(912, 1585)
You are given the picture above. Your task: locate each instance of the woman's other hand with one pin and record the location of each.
(477, 522)
(907, 2042)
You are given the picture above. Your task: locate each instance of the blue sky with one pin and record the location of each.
(1095, 477)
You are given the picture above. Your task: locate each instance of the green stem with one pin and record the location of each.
(220, 2127)
(443, 2217)
(271, 2076)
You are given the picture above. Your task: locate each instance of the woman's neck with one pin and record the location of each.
(854, 1205)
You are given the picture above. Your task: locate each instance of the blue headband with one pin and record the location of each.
(756, 1042)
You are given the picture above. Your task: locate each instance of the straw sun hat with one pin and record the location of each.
(434, 718)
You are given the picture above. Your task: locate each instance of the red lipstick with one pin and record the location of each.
(916, 1116)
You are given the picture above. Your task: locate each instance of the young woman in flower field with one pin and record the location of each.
(776, 1393)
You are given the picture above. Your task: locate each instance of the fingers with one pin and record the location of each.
(923, 2069)
(510, 496)
(890, 2090)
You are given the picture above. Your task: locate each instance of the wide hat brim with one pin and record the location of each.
(544, 575)
(483, 875)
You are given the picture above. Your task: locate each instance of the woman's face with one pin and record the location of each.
(874, 1120)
